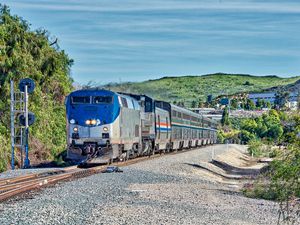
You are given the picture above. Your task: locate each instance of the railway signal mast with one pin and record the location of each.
(21, 119)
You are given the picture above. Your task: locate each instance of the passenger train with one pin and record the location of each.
(103, 126)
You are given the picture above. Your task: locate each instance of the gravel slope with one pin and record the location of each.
(165, 190)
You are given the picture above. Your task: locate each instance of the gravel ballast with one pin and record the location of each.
(165, 190)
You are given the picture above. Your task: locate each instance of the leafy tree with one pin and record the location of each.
(298, 101)
(250, 105)
(225, 117)
(209, 99)
(200, 103)
(259, 103)
(275, 132)
(234, 103)
(268, 104)
(249, 125)
(27, 53)
(246, 136)
(261, 129)
(281, 98)
(194, 104)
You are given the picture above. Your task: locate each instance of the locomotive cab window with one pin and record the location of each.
(124, 102)
(81, 99)
(102, 99)
(148, 106)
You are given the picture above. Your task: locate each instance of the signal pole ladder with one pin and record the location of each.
(19, 132)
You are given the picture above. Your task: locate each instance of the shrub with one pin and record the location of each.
(255, 147)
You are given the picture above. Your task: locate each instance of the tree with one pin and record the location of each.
(249, 125)
(246, 136)
(275, 132)
(209, 99)
(225, 117)
(298, 101)
(194, 104)
(268, 104)
(259, 103)
(234, 103)
(281, 98)
(27, 53)
(250, 105)
(200, 103)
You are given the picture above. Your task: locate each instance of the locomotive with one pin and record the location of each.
(103, 126)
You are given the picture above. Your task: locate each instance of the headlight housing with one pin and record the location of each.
(75, 129)
(92, 122)
(72, 121)
(105, 129)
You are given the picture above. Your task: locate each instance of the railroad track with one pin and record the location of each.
(11, 187)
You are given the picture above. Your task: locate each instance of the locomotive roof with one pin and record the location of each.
(87, 92)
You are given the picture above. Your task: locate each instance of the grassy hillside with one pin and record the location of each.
(189, 88)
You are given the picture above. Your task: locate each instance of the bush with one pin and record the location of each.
(246, 136)
(255, 148)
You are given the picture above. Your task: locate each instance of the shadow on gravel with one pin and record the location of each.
(239, 171)
(232, 176)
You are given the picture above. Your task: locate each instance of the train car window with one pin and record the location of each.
(102, 99)
(173, 113)
(179, 115)
(130, 103)
(148, 106)
(186, 117)
(81, 99)
(136, 105)
(124, 102)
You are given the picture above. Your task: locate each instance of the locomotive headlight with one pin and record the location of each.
(105, 129)
(88, 122)
(75, 129)
(93, 122)
(72, 121)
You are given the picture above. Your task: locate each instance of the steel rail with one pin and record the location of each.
(12, 180)
(12, 187)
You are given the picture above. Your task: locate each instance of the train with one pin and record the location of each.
(104, 126)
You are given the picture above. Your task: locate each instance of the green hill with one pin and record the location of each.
(189, 88)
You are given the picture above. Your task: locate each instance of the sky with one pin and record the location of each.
(136, 40)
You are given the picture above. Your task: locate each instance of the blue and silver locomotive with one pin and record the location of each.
(103, 125)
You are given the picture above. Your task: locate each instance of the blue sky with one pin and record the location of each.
(135, 40)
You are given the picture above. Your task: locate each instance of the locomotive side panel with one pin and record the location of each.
(163, 129)
(130, 123)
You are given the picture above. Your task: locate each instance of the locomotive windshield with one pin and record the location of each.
(102, 99)
(81, 99)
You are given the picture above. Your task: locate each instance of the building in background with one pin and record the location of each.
(271, 97)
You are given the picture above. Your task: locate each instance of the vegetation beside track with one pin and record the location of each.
(33, 54)
(275, 134)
